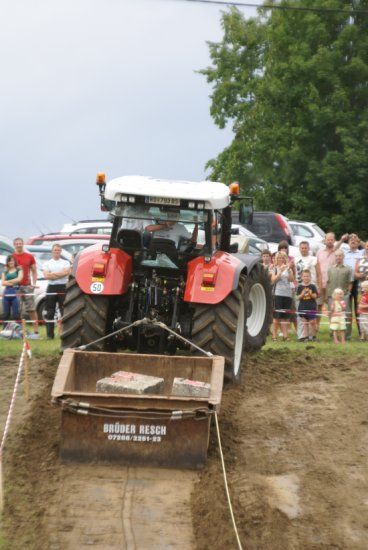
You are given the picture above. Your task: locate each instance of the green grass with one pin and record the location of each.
(39, 348)
(324, 346)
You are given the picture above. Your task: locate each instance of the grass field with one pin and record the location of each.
(39, 348)
(325, 346)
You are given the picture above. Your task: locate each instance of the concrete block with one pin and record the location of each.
(184, 387)
(130, 382)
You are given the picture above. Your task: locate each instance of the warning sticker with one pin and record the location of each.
(97, 287)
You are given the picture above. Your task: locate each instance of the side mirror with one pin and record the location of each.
(233, 248)
(245, 214)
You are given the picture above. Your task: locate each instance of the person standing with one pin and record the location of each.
(307, 308)
(352, 255)
(266, 260)
(56, 271)
(27, 262)
(363, 312)
(302, 262)
(282, 276)
(361, 265)
(337, 316)
(10, 279)
(339, 276)
(326, 258)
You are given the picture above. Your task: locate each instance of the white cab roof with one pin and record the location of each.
(214, 194)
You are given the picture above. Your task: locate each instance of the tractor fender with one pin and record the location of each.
(249, 261)
(209, 282)
(117, 271)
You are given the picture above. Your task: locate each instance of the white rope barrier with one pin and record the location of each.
(8, 421)
(226, 485)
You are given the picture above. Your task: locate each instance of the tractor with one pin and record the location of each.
(170, 260)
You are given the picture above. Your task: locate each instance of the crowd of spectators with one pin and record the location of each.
(19, 280)
(306, 288)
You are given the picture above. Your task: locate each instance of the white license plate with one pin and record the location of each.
(164, 200)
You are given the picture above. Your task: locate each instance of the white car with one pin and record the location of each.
(308, 231)
(101, 227)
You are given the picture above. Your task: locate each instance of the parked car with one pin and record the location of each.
(42, 254)
(56, 237)
(249, 239)
(100, 227)
(270, 226)
(6, 246)
(70, 243)
(308, 231)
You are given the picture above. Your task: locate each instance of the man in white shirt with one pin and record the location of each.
(56, 271)
(305, 261)
(173, 231)
(352, 254)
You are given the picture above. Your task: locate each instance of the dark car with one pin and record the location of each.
(270, 226)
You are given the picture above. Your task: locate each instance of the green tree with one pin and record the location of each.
(294, 86)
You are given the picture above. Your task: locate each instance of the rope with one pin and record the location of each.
(8, 421)
(226, 485)
(146, 321)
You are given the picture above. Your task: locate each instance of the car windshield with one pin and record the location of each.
(160, 213)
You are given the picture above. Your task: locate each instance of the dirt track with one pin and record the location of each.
(295, 443)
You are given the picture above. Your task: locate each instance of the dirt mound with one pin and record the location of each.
(295, 445)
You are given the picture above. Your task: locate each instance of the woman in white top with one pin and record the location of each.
(281, 277)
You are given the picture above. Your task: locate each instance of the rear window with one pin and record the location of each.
(74, 248)
(302, 231)
(260, 226)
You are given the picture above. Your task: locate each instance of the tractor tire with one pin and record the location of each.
(220, 329)
(258, 298)
(85, 319)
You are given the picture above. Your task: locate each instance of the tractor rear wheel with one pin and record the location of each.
(220, 329)
(85, 319)
(258, 298)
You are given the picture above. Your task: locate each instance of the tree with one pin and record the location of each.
(294, 85)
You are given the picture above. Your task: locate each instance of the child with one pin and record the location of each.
(267, 260)
(10, 279)
(307, 308)
(337, 316)
(363, 312)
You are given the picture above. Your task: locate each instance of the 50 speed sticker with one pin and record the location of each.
(96, 288)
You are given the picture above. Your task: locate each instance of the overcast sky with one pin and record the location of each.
(99, 85)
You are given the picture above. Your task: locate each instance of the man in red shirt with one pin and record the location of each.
(28, 264)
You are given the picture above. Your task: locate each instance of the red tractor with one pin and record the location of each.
(169, 259)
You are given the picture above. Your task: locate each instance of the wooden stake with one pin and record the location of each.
(26, 361)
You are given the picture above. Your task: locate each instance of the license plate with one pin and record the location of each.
(164, 200)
